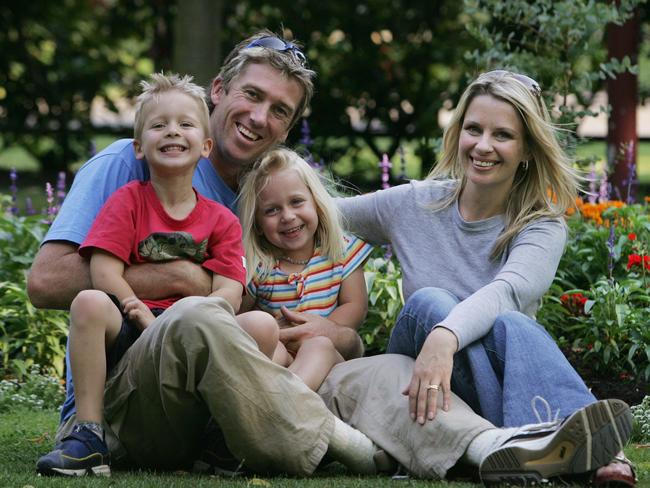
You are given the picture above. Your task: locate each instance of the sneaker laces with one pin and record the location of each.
(547, 406)
(548, 425)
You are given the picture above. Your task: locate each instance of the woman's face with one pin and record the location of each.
(491, 146)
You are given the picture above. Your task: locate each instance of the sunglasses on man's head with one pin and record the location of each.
(531, 84)
(277, 44)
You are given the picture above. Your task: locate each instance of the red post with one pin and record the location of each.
(622, 137)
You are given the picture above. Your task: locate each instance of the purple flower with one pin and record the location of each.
(60, 188)
(13, 176)
(385, 166)
(51, 208)
(593, 194)
(604, 189)
(305, 135)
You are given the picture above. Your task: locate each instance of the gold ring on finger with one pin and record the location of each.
(433, 387)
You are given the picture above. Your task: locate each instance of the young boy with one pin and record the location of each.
(144, 222)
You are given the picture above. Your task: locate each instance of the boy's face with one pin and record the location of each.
(173, 138)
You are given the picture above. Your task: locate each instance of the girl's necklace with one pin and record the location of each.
(301, 262)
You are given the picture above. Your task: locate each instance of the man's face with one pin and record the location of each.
(253, 115)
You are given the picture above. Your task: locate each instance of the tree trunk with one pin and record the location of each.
(196, 48)
(622, 136)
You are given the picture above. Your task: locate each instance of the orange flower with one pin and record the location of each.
(594, 211)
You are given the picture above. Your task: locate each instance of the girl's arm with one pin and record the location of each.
(107, 274)
(341, 325)
(353, 301)
(227, 288)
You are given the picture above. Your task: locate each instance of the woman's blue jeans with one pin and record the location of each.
(500, 374)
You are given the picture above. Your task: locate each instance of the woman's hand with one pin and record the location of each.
(433, 367)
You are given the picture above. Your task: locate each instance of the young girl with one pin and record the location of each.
(300, 261)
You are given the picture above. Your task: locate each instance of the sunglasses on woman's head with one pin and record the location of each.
(277, 44)
(531, 84)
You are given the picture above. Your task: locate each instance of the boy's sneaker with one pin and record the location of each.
(583, 442)
(80, 453)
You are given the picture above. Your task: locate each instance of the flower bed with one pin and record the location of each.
(598, 308)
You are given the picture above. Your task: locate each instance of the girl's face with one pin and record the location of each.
(286, 214)
(491, 146)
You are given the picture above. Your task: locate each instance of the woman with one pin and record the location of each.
(479, 242)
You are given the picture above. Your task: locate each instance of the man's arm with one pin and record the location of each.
(59, 273)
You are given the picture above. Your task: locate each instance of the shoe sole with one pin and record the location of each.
(588, 439)
(102, 470)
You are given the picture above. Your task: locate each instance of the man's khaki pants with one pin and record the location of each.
(194, 362)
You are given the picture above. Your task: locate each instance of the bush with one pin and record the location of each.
(641, 413)
(599, 304)
(27, 335)
(384, 282)
(37, 391)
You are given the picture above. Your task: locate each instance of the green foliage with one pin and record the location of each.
(641, 413)
(37, 391)
(56, 57)
(384, 283)
(599, 304)
(557, 42)
(27, 335)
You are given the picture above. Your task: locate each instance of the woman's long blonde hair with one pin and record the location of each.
(549, 184)
(259, 251)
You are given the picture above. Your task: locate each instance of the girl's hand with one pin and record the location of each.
(433, 366)
(137, 311)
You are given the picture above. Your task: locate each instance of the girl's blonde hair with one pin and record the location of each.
(544, 187)
(259, 251)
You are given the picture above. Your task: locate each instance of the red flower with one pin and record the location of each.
(574, 303)
(631, 236)
(637, 260)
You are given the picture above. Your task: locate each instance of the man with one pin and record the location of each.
(194, 363)
(257, 97)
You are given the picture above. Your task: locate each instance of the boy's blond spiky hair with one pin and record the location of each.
(159, 83)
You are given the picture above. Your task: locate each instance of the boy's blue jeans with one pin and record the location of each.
(498, 375)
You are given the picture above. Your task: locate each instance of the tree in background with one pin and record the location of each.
(196, 48)
(56, 57)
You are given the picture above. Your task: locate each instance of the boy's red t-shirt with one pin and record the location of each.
(133, 226)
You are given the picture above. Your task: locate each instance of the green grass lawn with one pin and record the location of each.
(25, 435)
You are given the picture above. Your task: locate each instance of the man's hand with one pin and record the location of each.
(154, 281)
(308, 325)
(138, 312)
